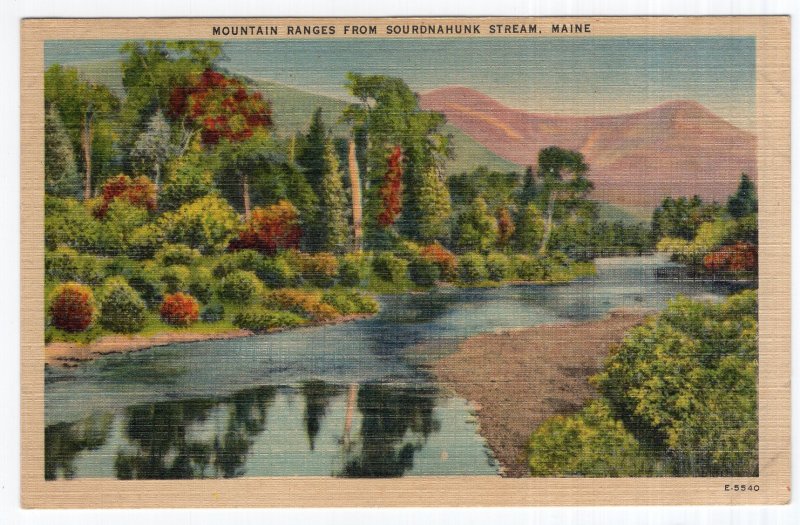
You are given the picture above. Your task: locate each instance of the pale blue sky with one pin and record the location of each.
(586, 75)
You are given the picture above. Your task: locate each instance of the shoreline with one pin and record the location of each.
(70, 355)
(516, 379)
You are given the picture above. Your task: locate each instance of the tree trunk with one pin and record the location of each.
(548, 223)
(246, 195)
(355, 188)
(86, 147)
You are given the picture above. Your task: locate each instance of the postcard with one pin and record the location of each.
(405, 262)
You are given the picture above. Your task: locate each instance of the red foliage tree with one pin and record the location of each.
(738, 257)
(505, 227)
(140, 192)
(442, 257)
(72, 308)
(179, 309)
(392, 189)
(270, 229)
(221, 106)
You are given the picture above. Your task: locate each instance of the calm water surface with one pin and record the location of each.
(341, 400)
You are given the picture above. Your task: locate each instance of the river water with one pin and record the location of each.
(342, 400)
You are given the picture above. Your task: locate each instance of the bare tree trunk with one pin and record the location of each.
(548, 223)
(86, 147)
(246, 195)
(355, 188)
(158, 176)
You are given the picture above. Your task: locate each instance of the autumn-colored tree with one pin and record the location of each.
(391, 190)
(442, 257)
(270, 229)
(505, 227)
(72, 307)
(737, 257)
(179, 309)
(139, 192)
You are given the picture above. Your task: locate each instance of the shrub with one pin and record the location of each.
(61, 264)
(208, 224)
(121, 308)
(212, 313)
(350, 302)
(239, 286)
(389, 267)
(175, 278)
(423, 272)
(117, 227)
(201, 284)
(276, 272)
(249, 260)
(529, 268)
(146, 280)
(734, 258)
(68, 222)
(179, 309)
(498, 267)
(171, 254)
(471, 268)
(318, 269)
(351, 270)
(139, 192)
(72, 307)
(262, 320)
(302, 302)
(270, 229)
(443, 257)
(145, 241)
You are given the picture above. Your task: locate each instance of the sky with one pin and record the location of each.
(573, 76)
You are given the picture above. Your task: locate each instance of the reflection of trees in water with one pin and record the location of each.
(318, 395)
(166, 450)
(64, 441)
(389, 412)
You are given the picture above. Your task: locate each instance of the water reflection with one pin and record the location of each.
(367, 430)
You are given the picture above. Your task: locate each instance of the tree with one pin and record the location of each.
(188, 178)
(312, 153)
(530, 229)
(745, 201)
(426, 212)
(84, 108)
(61, 175)
(154, 148)
(476, 229)
(332, 204)
(505, 227)
(554, 165)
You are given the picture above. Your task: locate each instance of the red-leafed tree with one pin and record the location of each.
(738, 257)
(224, 112)
(179, 309)
(392, 189)
(139, 192)
(276, 227)
(505, 227)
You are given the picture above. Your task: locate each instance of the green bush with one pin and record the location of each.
(201, 284)
(145, 241)
(498, 267)
(471, 268)
(172, 254)
(276, 272)
(212, 313)
(146, 280)
(389, 267)
(591, 443)
(261, 320)
(351, 270)
(423, 272)
(175, 278)
(240, 286)
(248, 260)
(61, 264)
(208, 224)
(349, 302)
(318, 269)
(68, 222)
(121, 308)
(529, 268)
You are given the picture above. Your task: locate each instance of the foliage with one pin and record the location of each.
(505, 227)
(745, 201)
(201, 284)
(61, 177)
(733, 258)
(498, 267)
(306, 303)
(188, 178)
(391, 189)
(212, 313)
(351, 270)
(426, 208)
(277, 272)
(139, 192)
(240, 286)
(389, 267)
(121, 308)
(153, 148)
(472, 268)
(317, 269)
(682, 217)
(270, 229)
(69, 223)
(179, 309)
(260, 319)
(710, 235)
(146, 280)
(170, 254)
(531, 268)
(529, 230)
(144, 241)
(444, 259)
(423, 272)
(348, 302)
(207, 224)
(72, 307)
(476, 228)
(591, 443)
(119, 223)
(65, 264)
(175, 278)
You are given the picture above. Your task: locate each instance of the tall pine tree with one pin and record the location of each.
(332, 218)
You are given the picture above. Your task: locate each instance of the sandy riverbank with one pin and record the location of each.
(517, 379)
(71, 354)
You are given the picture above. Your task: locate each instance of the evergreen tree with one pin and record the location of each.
(476, 229)
(745, 201)
(426, 211)
(529, 188)
(312, 154)
(332, 218)
(61, 175)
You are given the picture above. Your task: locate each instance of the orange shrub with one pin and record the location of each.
(302, 302)
(270, 229)
(738, 257)
(72, 308)
(442, 257)
(139, 192)
(180, 309)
